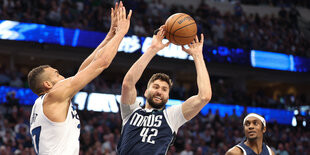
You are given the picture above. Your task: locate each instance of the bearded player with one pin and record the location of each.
(151, 130)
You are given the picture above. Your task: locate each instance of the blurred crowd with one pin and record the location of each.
(276, 3)
(224, 91)
(277, 33)
(208, 135)
(204, 135)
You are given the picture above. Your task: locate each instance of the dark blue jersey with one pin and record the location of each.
(248, 151)
(147, 132)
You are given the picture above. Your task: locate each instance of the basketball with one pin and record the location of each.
(181, 29)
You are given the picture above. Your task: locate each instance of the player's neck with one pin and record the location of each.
(256, 145)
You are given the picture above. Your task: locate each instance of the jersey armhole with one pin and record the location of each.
(269, 149)
(174, 117)
(244, 152)
(50, 121)
(168, 122)
(125, 120)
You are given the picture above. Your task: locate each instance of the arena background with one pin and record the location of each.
(238, 85)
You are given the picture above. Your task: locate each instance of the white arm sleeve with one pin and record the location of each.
(126, 110)
(175, 117)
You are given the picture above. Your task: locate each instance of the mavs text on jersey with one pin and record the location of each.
(148, 131)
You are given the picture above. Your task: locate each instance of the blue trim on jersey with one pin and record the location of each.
(249, 151)
(145, 133)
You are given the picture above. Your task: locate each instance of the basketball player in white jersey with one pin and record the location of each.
(150, 131)
(254, 127)
(54, 123)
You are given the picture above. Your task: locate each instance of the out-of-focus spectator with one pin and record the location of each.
(12, 103)
(218, 31)
(187, 150)
(54, 15)
(16, 81)
(4, 77)
(293, 15)
(139, 28)
(238, 10)
(280, 150)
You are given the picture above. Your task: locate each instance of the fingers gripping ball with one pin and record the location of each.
(181, 29)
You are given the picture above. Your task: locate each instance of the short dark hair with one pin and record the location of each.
(34, 77)
(162, 77)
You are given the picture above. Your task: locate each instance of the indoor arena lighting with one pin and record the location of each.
(12, 30)
(271, 60)
(102, 102)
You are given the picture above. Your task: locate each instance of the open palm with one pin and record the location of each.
(123, 21)
(195, 47)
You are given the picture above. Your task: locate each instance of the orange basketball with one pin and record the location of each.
(181, 29)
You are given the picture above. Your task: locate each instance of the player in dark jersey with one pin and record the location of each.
(254, 127)
(151, 130)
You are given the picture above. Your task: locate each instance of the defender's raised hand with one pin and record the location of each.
(195, 48)
(114, 11)
(123, 20)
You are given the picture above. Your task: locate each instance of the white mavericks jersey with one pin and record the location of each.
(54, 138)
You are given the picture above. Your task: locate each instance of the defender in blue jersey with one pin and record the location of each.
(254, 127)
(151, 130)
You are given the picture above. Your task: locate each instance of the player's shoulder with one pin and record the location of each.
(234, 151)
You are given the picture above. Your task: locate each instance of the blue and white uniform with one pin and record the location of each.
(54, 138)
(148, 131)
(248, 151)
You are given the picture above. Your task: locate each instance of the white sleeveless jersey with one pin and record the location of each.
(53, 138)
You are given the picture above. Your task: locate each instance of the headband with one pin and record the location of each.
(257, 116)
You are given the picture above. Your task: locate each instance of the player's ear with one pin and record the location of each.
(145, 93)
(264, 129)
(47, 84)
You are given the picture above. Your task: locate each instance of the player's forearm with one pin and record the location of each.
(108, 37)
(108, 52)
(135, 72)
(90, 58)
(87, 61)
(203, 80)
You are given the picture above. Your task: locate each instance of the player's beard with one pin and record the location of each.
(53, 81)
(156, 105)
(252, 138)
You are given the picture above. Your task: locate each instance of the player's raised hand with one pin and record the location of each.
(195, 48)
(123, 21)
(114, 11)
(158, 38)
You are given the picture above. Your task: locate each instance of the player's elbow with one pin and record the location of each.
(205, 97)
(127, 84)
(128, 80)
(103, 63)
